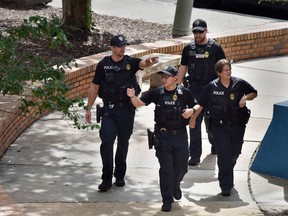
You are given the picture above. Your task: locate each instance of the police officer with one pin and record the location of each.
(112, 77)
(171, 119)
(225, 98)
(199, 58)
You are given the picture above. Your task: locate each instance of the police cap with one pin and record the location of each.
(169, 70)
(199, 25)
(118, 41)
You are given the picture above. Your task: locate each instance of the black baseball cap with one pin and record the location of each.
(199, 25)
(169, 70)
(118, 41)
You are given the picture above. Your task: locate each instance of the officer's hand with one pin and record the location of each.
(242, 102)
(192, 123)
(154, 60)
(187, 113)
(131, 92)
(88, 116)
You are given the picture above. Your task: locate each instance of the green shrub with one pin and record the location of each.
(46, 79)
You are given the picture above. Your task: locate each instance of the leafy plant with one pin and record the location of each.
(39, 82)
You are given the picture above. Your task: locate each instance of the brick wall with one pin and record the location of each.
(237, 46)
(256, 45)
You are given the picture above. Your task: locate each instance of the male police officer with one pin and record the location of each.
(112, 77)
(199, 58)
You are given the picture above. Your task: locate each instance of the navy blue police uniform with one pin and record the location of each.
(200, 60)
(118, 113)
(170, 128)
(228, 123)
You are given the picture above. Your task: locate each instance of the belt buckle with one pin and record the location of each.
(111, 106)
(173, 132)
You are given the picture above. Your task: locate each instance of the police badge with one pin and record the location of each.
(175, 97)
(206, 54)
(128, 67)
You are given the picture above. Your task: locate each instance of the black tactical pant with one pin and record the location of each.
(228, 140)
(116, 122)
(196, 133)
(172, 154)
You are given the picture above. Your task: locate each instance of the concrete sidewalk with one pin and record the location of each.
(54, 169)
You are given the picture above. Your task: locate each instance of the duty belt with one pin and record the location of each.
(165, 131)
(116, 104)
(223, 122)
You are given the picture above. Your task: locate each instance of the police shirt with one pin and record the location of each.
(132, 66)
(201, 60)
(232, 95)
(169, 100)
(216, 51)
(153, 96)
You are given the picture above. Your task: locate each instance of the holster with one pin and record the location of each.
(152, 139)
(186, 82)
(207, 121)
(245, 115)
(99, 110)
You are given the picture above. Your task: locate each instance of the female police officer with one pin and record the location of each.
(171, 101)
(225, 98)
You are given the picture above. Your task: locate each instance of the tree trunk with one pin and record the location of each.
(77, 14)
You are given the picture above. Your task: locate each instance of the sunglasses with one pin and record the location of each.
(197, 32)
(165, 76)
(120, 46)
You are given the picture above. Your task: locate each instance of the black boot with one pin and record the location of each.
(105, 185)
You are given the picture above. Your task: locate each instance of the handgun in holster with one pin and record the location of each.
(186, 82)
(208, 122)
(98, 113)
(245, 114)
(152, 139)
